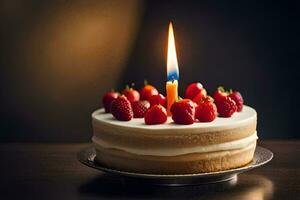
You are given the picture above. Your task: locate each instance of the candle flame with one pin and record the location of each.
(172, 64)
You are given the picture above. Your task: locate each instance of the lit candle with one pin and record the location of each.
(172, 71)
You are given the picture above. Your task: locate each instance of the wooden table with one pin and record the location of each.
(51, 171)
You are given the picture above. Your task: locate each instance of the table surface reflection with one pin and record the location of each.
(51, 171)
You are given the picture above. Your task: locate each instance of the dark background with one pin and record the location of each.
(58, 58)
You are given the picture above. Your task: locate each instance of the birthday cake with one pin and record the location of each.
(213, 134)
(144, 131)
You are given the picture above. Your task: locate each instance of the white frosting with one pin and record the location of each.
(238, 119)
(236, 144)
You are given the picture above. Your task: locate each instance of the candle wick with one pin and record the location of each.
(173, 79)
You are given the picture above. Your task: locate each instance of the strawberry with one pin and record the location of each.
(183, 112)
(140, 108)
(239, 101)
(107, 99)
(200, 96)
(121, 109)
(147, 91)
(158, 99)
(219, 93)
(226, 106)
(131, 94)
(157, 114)
(193, 90)
(206, 111)
(235, 96)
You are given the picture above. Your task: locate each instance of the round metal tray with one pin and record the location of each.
(261, 157)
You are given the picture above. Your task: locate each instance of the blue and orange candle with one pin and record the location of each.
(172, 71)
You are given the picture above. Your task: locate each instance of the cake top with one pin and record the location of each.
(239, 118)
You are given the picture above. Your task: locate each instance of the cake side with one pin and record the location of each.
(183, 164)
(167, 148)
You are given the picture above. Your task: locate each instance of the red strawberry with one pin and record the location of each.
(107, 99)
(237, 97)
(158, 99)
(226, 106)
(206, 111)
(121, 109)
(156, 115)
(183, 112)
(193, 90)
(219, 93)
(147, 91)
(140, 108)
(131, 94)
(200, 96)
